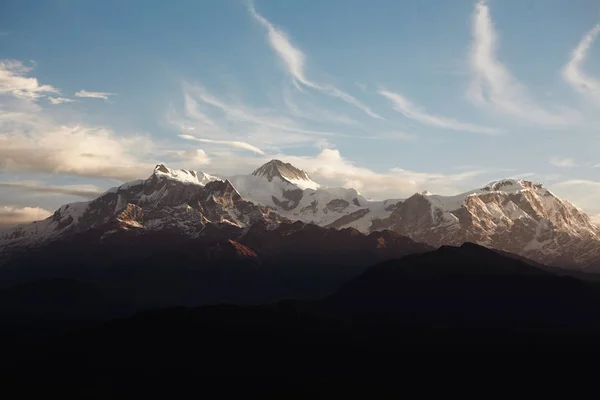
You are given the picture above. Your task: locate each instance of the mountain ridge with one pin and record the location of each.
(515, 216)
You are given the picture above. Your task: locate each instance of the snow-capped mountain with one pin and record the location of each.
(291, 193)
(515, 216)
(174, 200)
(285, 172)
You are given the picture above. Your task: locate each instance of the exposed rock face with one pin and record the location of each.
(514, 216)
(230, 250)
(337, 205)
(348, 218)
(170, 200)
(292, 198)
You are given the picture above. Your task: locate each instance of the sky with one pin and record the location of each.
(389, 97)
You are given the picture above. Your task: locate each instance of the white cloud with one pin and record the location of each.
(14, 82)
(572, 72)
(60, 100)
(232, 143)
(563, 162)
(75, 150)
(86, 191)
(192, 158)
(294, 61)
(495, 87)
(409, 110)
(34, 140)
(94, 95)
(12, 215)
(197, 156)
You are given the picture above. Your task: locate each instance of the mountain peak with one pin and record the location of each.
(161, 168)
(287, 172)
(161, 171)
(511, 185)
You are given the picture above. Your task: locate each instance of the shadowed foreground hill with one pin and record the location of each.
(473, 289)
(227, 265)
(455, 298)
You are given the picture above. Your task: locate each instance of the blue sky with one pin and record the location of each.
(387, 96)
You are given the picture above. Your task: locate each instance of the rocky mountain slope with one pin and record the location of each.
(169, 200)
(515, 216)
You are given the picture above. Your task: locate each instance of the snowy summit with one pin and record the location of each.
(183, 175)
(286, 172)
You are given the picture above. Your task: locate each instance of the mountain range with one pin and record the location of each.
(239, 274)
(515, 216)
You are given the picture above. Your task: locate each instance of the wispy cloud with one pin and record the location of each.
(238, 113)
(493, 84)
(573, 73)
(60, 100)
(94, 95)
(14, 82)
(306, 110)
(76, 190)
(562, 162)
(294, 61)
(13, 215)
(192, 110)
(232, 143)
(409, 110)
(207, 116)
